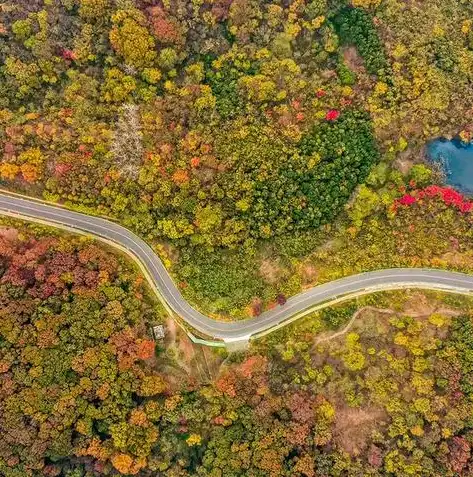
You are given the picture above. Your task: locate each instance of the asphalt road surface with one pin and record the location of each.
(238, 331)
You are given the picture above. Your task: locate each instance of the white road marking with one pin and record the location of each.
(240, 330)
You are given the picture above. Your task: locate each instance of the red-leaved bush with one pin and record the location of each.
(68, 54)
(448, 195)
(332, 115)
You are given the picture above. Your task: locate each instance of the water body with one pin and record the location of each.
(456, 160)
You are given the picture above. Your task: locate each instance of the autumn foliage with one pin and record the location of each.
(69, 343)
(230, 129)
(332, 115)
(447, 195)
(219, 97)
(77, 386)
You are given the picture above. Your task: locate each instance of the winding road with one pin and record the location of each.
(234, 334)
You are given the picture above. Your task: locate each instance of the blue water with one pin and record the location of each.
(456, 160)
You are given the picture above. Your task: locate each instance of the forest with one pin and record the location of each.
(382, 229)
(223, 123)
(379, 386)
(219, 129)
(261, 147)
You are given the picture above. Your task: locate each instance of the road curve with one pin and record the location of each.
(239, 331)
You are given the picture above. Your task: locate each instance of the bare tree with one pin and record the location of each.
(129, 70)
(127, 146)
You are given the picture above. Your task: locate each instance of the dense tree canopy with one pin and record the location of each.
(81, 395)
(222, 122)
(73, 379)
(244, 128)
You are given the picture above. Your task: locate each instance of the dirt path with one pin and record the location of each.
(335, 335)
(387, 311)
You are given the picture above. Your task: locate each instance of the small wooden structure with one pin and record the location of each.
(159, 332)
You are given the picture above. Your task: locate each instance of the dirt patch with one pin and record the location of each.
(353, 427)
(270, 270)
(9, 233)
(357, 321)
(403, 165)
(353, 60)
(309, 274)
(179, 348)
(186, 347)
(420, 306)
(171, 331)
(329, 245)
(458, 260)
(187, 361)
(404, 161)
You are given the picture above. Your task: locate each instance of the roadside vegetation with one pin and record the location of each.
(231, 134)
(262, 147)
(422, 227)
(379, 386)
(219, 124)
